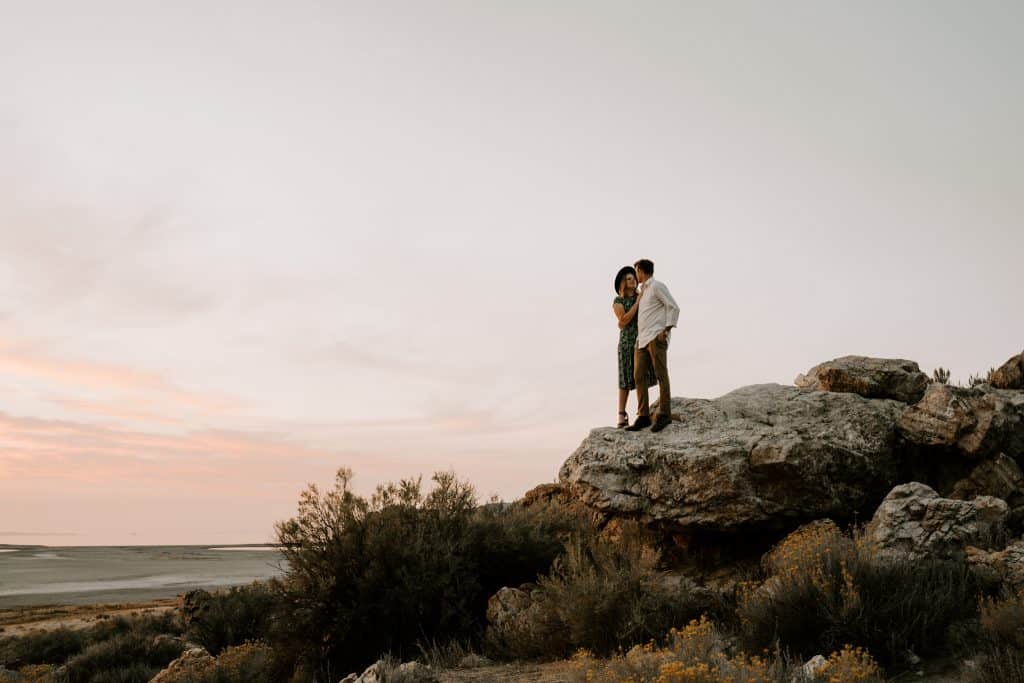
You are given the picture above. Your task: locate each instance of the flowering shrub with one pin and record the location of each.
(824, 588)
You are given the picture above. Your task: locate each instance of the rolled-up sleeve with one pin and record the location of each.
(671, 307)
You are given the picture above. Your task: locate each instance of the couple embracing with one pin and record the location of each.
(647, 313)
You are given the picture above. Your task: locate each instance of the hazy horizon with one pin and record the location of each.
(244, 246)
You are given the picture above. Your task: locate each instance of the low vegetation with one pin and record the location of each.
(406, 574)
(824, 588)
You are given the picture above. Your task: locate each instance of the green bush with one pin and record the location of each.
(58, 645)
(601, 595)
(42, 647)
(130, 657)
(239, 615)
(824, 590)
(365, 577)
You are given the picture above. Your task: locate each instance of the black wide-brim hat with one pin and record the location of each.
(623, 272)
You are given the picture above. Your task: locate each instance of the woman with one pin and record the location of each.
(625, 306)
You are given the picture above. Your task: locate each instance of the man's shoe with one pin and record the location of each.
(642, 422)
(661, 423)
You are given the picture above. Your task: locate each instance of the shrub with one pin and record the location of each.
(42, 647)
(824, 589)
(237, 664)
(239, 615)
(697, 653)
(999, 664)
(601, 595)
(59, 645)
(1002, 623)
(940, 376)
(366, 577)
(130, 657)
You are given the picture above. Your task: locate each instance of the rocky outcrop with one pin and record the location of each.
(1009, 375)
(979, 422)
(761, 455)
(914, 522)
(1000, 477)
(1004, 566)
(894, 378)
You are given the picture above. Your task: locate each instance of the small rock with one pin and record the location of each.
(813, 666)
(1009, 375)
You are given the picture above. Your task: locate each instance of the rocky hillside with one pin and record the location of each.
(936, 468)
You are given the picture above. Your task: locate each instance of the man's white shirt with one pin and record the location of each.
(658, 310)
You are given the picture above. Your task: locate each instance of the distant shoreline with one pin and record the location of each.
(38, 576)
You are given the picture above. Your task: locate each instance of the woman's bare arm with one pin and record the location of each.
(625, 317)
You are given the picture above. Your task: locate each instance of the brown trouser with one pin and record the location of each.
(655, 352)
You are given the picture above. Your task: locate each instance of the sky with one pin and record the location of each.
(243, 244)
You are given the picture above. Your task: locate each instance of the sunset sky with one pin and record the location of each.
(241, 247)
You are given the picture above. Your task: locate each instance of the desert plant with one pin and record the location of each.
(239, 615)
(369, 576)
(125, 658)
(830, 590)
(940, 375)
(58, 645)
(42, 647)
(696, 653)
(601, 595)
(236, 664)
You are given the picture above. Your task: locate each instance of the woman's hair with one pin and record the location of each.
(620, 278)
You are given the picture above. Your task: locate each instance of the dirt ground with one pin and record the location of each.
(16, 621)
(551, 672)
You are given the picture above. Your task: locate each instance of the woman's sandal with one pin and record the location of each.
(623, 420)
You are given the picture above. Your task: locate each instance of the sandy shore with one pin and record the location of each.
(16, 621)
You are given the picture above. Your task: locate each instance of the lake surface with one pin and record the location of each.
(101, 574)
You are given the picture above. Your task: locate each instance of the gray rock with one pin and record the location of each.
(1000, 477)
(763, 454)
(979, 422)
(893, 378)
(1009, 375)
(1005, 566)
(914, 522)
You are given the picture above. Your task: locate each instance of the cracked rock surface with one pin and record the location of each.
(765, 454)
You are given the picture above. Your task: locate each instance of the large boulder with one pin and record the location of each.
(762, 455)
(914, 522)
(893, 378)
(979, 421)
(1009, 375)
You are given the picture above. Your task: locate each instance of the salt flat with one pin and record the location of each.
(84, 575)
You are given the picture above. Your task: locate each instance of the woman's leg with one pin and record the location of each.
(623, 395)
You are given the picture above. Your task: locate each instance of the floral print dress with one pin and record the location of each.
(627, 346)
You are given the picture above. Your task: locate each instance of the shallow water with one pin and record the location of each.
(100, 574)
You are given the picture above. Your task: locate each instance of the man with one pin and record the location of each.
(657, 315)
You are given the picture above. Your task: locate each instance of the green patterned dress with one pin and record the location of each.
(627, 345)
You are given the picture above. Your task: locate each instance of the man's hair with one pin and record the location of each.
(645, 265)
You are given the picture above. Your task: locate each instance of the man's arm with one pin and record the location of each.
(671, 307)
